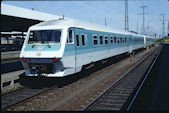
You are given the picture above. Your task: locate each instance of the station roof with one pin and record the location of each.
(20, 19)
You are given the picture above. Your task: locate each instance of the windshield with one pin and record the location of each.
(44, 36)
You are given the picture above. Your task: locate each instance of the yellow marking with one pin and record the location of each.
(99, 30)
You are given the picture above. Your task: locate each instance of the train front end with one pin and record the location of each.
(42, 52)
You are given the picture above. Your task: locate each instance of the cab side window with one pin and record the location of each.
(70, 37)
(77, 40)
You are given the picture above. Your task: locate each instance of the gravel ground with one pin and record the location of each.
(76, 95)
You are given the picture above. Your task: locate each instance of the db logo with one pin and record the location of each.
(38, 54)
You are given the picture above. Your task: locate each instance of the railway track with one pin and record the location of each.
(20, 95)
(122, 93)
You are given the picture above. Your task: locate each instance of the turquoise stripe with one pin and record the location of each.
(45, 48)
(85, 51)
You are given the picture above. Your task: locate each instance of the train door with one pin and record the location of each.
(77, 48)
(144, 41)
(109, 45)
(130, 44)
(107, 42)
(70, 49)
(80, 48)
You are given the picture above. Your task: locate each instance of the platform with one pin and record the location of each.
(155, 92)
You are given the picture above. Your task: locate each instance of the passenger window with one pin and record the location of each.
(95, 40)
(111, 39)
(70, 37)
(125, 40)
(77, 40)
(115, 39)
(120, 39)
(101, 39)
(83, 40)
(106, 39)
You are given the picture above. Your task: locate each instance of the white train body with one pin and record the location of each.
(59, 48)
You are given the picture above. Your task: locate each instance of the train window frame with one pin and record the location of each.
(111, 39)
(125, 39)
(85, 38)
(29, 35)
(115, 39)
(77, 44)
(67, 42)
(95, 35)
(100, 39)
(106, 39)
(83, 45)
(118, 41)
(121, 40)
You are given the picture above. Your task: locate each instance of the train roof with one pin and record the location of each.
(19, 12)
(149, 37)
(66, 23)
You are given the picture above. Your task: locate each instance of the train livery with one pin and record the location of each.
(59, 48)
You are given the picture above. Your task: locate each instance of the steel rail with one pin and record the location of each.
(101, 94)
(34, 93)
(131, 103)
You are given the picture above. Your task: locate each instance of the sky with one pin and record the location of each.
(113, 10)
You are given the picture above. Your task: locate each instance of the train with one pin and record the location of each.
(59, 48)
(12, 44)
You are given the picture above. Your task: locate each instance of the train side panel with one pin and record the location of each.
(84, 50)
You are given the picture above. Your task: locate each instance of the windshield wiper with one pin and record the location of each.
(34, 45)
(48, 45)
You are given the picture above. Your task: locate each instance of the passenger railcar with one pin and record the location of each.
(149, 41)
(11, 44)
(59, 48)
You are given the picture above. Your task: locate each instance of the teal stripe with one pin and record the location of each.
(85, 51)
(45, 48)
